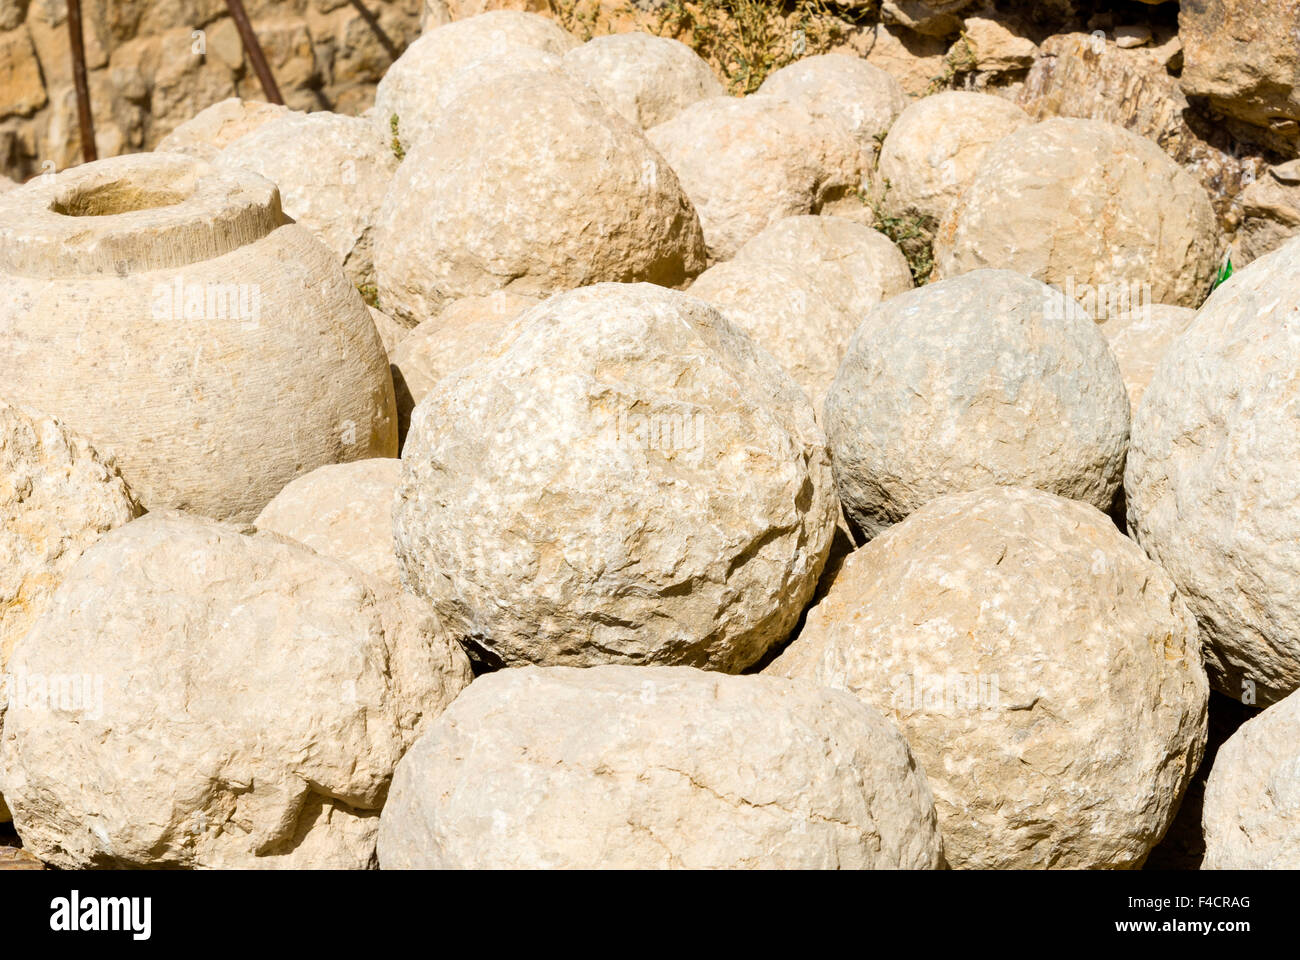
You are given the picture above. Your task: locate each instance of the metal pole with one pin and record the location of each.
(84, 117)
(254, 50)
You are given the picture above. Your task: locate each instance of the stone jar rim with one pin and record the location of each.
(133, 213)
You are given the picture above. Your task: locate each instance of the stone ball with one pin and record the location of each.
(332, 171)
(1087, 202)
(344, 511)
(1045, 672)
(748, 162)
(990, 378)
(934, 150)
(164, 311)
(1211, 483)
(197, 697)
(530, 185)
(652, 767)
(628, 479)
(644, 78)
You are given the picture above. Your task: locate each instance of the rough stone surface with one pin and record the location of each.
(214, 128)
(466, 331)
(861, 97)
(161, 309)
(1243, 56)
(410, 89)
(344, 511)
(1251, 816)
(1270, 213)
(574, 196)
(246, 702)
(628, 479)
(912, 59)
(787, 313)
(1086, 200)
(935, 148)
(1140, 340)
(391, 332)
(1044, 671)
(987, 379)
(626, 768)
(644, 78)
(996, 48)
(937, 18)
(1211, 484)
(746, 163)
(332, 171)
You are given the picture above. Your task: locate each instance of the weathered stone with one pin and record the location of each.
(1045, 672)
(912, 59)
(860, 97)
(1252, 800)
(986, 379)
(574, 196)
(411, 86)
(161, 309)
(391, 332)
(746, 163)
(344, 511)
(213, 129)
(1243, 56)
(1210, 481)
(787, 314)
(1140, 339)
(1126, 38)
(644, 78)
(626, 768)
(20, 75)
(195, 697)
(934, 150)
(333, 173)
(995, 48)
(1270, 208)
(466, 331)
(853, 266)
(936, 18)
(1085, 201)
(1084, 77)
(577, 497)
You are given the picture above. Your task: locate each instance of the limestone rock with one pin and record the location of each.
(1210, 482)
(934, 150)
(466, 331)
(861, 97)
(1252, 800)
(1140, 339)
(634, 768)
(1087, 201)
(912, 59)
(411, 86)
(161, 309)
(574, 196)
(996, 48)
(746, 163)
(1242, 55)
(195, 697)
(1270, 213)
(627, 479)
(644, 78)
(213, 129)
(1045, 672)
(344, 511)
(852, 265)
(391, 333)
(987, 379)
(787, 313)
(936, 18)
(332, 171)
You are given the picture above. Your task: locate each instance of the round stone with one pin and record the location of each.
(627, 479)
(644, 78)
(990, 378)
(1211, 485)
(1045, 672)
(649, 767)
(214, 128)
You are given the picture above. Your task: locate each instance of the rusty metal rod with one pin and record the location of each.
(84, 116)
(254, 50)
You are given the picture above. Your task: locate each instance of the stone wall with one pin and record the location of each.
(155, 63)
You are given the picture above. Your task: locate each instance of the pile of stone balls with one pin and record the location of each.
(653, 518)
